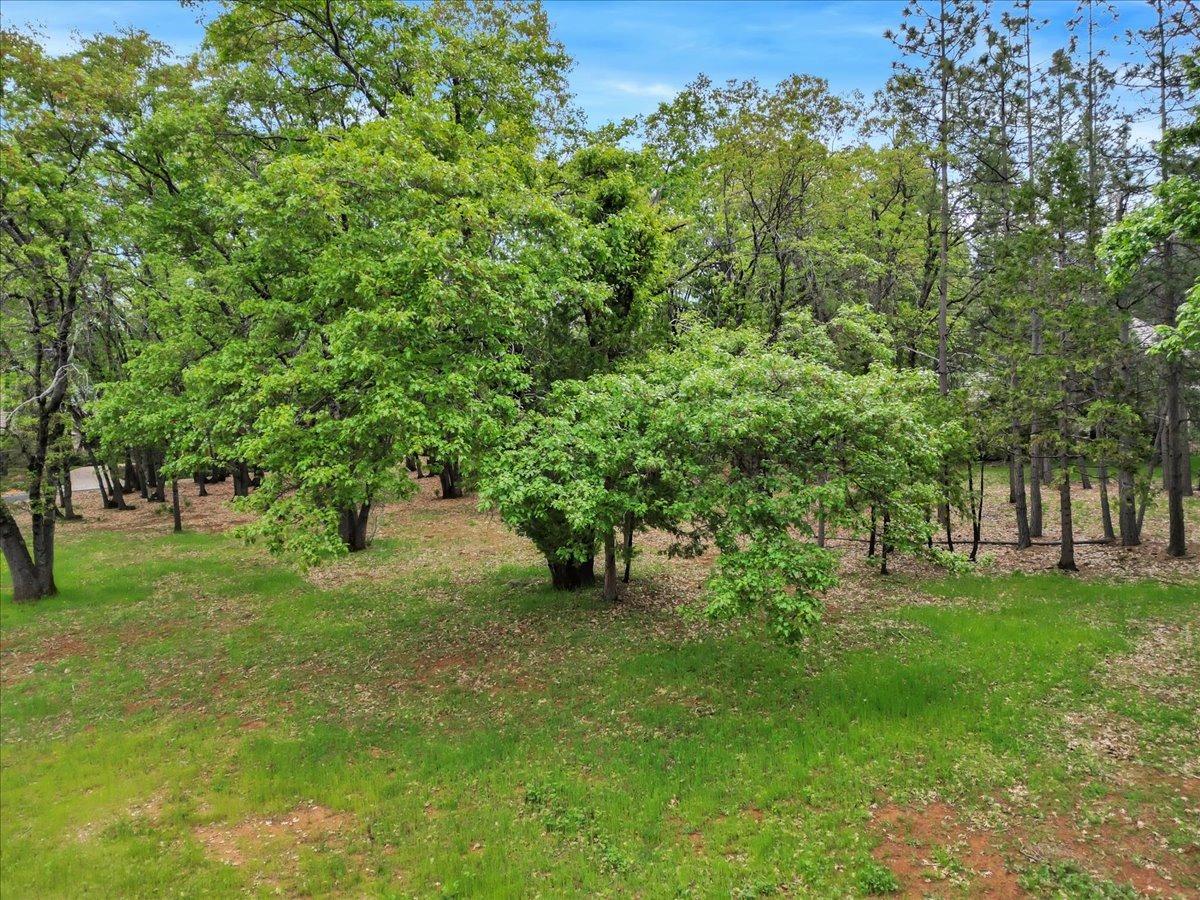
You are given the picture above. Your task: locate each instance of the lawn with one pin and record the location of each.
(192, 717)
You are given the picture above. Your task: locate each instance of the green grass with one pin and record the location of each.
(500, 739)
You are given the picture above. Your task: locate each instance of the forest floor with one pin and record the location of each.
(190, 716)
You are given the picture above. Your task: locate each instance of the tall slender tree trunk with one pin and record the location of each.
(628, 546)
(1185, 468)
(884, 547)
(1036, 463)
(1106, 519)
(1022, 511)
(175, 513)
(1176, 536)
(1066, 559)
(976, 507)
(1127, 517)
(1035, 318)
(943, 319)
(610, 565)
(1173, 468)
(143, 467)
(67, 500)
(1017, 469)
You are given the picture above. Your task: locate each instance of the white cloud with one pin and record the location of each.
(653, 90)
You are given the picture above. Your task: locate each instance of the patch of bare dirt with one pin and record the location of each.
(16, 665)
(933, 852)
(448, 537)
(277, 837)
(213, 513)
(938, 850)
(1124, 848)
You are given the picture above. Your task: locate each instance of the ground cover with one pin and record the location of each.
(191, 716)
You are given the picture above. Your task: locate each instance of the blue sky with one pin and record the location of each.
(630, 54)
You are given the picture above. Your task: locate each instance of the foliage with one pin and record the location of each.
(728, 442)
(1067, 879)
(876, 879)
(1174, 216)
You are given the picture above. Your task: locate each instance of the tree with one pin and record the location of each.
(726, 442)
(56, 231)
(1162, 76)
(341, 222)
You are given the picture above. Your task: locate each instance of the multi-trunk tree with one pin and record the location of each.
(729, 443)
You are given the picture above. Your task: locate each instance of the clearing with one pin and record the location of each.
(190, 716)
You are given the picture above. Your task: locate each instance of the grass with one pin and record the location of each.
(166, 716)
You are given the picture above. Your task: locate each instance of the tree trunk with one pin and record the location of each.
(1022, 510)
(1173, 451)
(175, 505)
(610, 565)
(1106, 520)
(451, 480)
(1127, 517)
(202, 483)
(352, 526)
(106, 499)
(1066, 559)
(68, 503)
(158, 493)
(976, 508)
(1035, 495)
(114, 484)
(571, 575)
(884, 548)
(143, 467)
(1085, 482)
(241, 480)
(628, 545)
(132, 481)
(26, 583)
(1185, 469)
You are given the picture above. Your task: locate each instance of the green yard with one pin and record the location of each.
(189, 716)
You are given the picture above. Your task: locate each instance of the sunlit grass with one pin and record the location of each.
(500, 739)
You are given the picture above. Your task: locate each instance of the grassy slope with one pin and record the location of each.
(500, 739)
